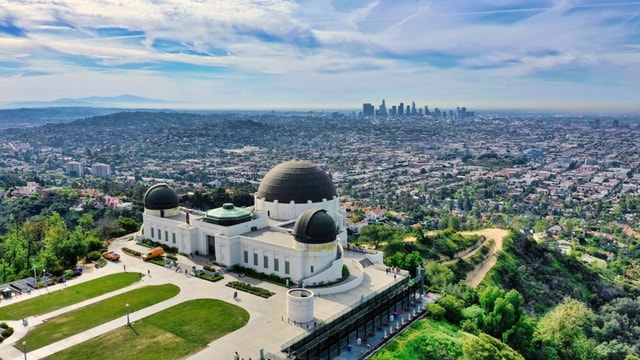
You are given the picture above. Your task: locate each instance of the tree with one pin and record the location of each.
(453, 307)
(485, 347)
(563, 329)
(128, 225)
(56, 235)
(375, 234)
(14, 255)
(412, 261)
(438, 276)
(454, 223)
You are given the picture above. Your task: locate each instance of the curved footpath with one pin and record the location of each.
(475, 277)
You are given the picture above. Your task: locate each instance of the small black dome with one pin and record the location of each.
(160, 197)
(315, 226)
(296, 180)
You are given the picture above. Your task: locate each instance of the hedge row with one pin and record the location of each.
(239, 285)
(131, 252)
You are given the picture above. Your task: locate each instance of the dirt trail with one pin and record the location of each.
(476, 275)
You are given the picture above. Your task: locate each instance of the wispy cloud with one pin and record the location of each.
(318, 53)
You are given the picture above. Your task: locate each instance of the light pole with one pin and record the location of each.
(128, 322)
(24, 349)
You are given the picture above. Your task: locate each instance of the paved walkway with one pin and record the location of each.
(266, 330)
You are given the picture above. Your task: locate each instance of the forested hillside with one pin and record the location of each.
(538, 302)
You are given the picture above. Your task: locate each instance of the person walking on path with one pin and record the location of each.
(235, 295)
(236, 356)
(148, 273)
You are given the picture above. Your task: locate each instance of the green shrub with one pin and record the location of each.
(250, 289)
(172, 257)
(7, 332)
(436, 311)
(150, 243)
(272, 278)
(216, 277)
(131, 252)
(3, 325)
(94, 255)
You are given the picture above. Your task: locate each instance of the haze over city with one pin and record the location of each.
(277, 54)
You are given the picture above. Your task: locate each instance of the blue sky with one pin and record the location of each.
(334, 54)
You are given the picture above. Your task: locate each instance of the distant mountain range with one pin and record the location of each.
(122, 101)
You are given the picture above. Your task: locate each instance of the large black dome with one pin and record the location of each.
(315, 226)
(296, 180)
(160, 197)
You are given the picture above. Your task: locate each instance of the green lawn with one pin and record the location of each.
(174, 333)
(70, 295)
(77, 321)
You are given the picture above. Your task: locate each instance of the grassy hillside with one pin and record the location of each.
(430, 339)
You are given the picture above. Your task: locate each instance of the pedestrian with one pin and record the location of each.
(148, 273)
(125, 267)
(236, 356)
(235, 295)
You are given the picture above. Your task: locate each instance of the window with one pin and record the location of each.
(311, 268)
(174, 237)
(266, 262)
(276, 265)
(255, 259)
(166, 235)
(159, 234)
(246, 257)
(152, 233)
(286, 267)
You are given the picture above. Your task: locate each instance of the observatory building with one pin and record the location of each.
(295, 230)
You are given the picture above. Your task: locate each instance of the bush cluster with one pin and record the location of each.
(5, 331)
(250, 289)
(131, 252)
(272, 278)
(212, 278)
(150, 243)
(94, 255)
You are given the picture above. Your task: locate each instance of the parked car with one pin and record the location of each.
(78, 271)
(110, 255)
(153, 253)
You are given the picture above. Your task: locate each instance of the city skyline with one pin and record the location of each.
(279, 54)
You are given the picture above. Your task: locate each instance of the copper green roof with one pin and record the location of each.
(227, 215)
(297, 181)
